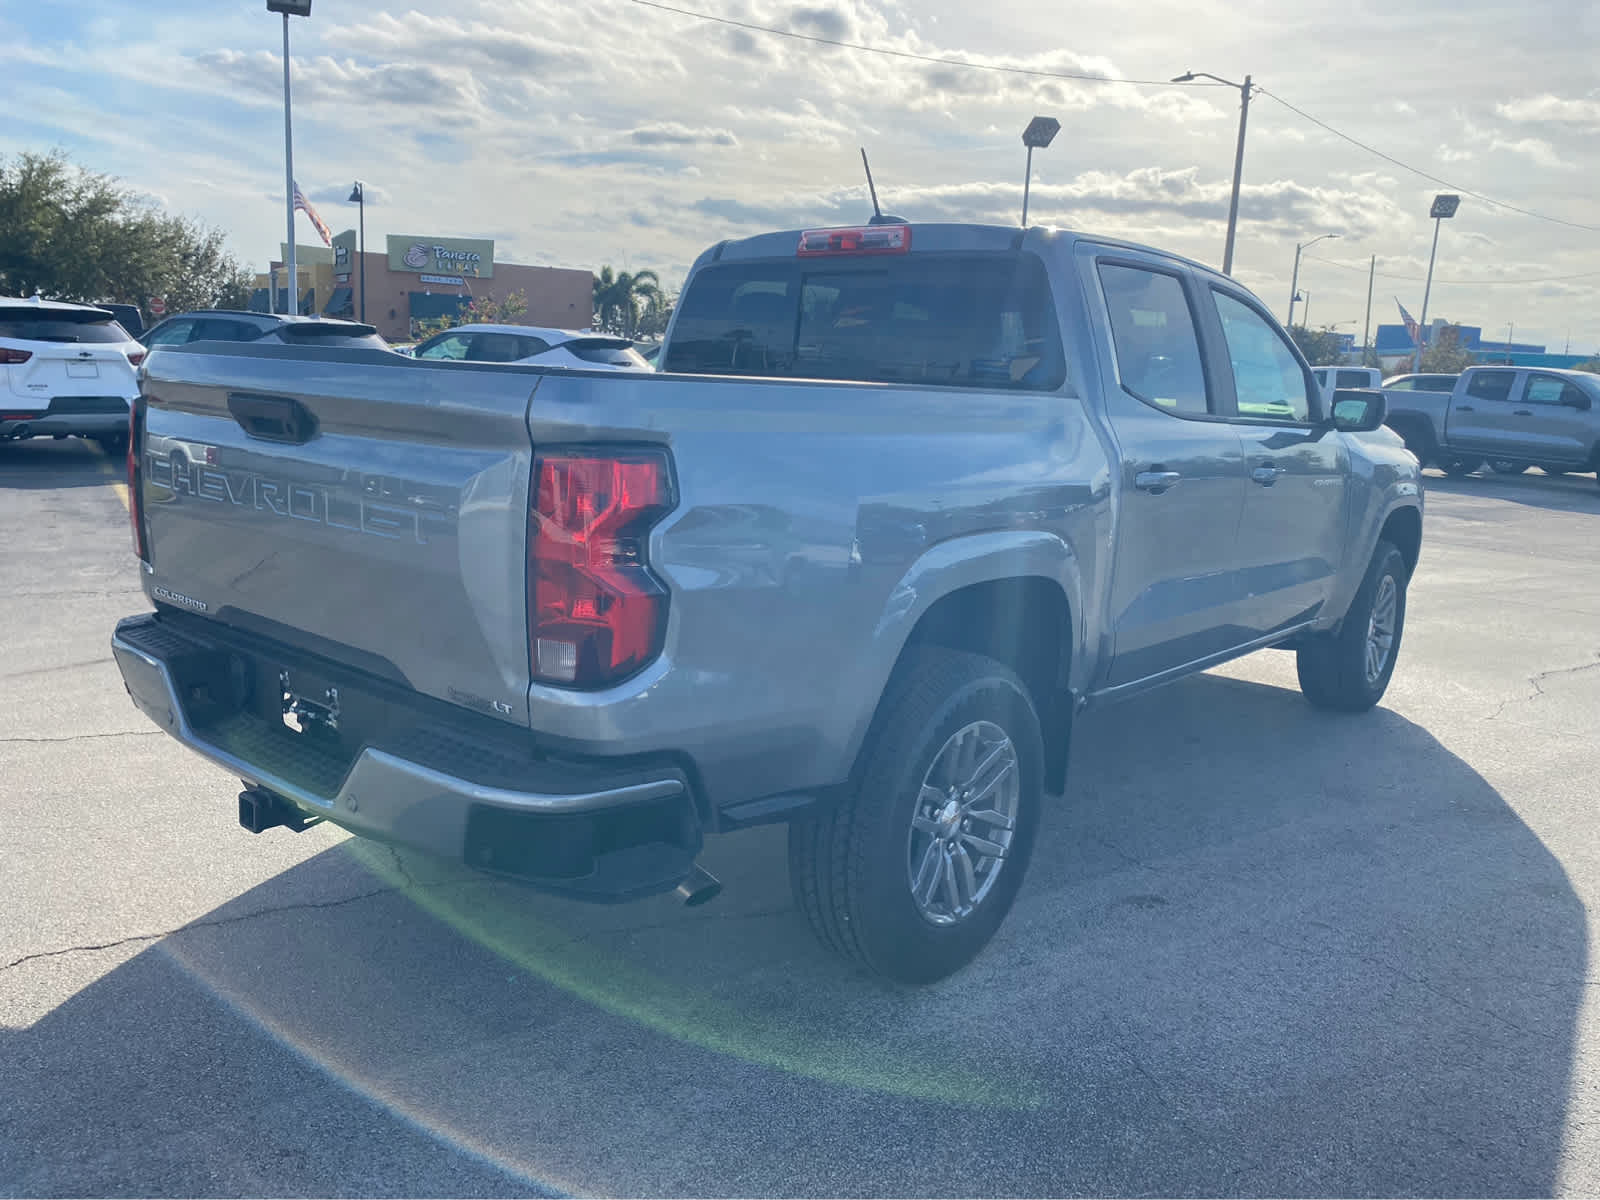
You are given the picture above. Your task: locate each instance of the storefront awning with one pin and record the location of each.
(340, 304)
(426, 305)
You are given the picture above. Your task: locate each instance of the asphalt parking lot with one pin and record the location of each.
(1260, 950)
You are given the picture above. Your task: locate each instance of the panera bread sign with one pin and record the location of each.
(471, 257)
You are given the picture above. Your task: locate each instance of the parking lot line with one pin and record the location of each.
(117, 485)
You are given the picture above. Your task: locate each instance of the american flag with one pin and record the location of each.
(1412, 331)
(304, 206)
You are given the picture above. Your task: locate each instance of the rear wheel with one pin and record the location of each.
(1459, 467)
(1349, 671)
(1505, 466)
(913, 870)
(114, 444)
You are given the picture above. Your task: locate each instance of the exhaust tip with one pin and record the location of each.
(700, 887)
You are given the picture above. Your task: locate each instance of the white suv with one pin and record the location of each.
(65, 369)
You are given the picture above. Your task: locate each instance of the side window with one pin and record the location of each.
(1321, 377)
(1267, 377)
(214, 330)
(451, 347)
(1491, 385)
(1402, 385)
(496, 348)
(1353, 379)
(173, 333)
(531, 346)
(1548, 389)
(1158, 351)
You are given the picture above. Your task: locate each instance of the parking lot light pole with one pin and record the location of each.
(1294, 278)
(1041, 131)
(358, 195)
(289, 8)
(1444, 206)
(1238, 154)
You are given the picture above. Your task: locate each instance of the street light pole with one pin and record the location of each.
(1238, 156)
(288, 177)
(359, 195)
(1366, 329)
(1294, 278)
(298, 8)
(1041, 131)
(1444, 205)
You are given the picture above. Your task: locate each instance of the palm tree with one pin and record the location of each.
(618, 296)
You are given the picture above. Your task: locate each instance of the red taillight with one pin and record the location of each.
(596, 614)
(27, 416)
(133, 478)
(14, 356)
(135, 357)
(866, 239)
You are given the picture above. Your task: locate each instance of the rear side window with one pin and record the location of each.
(216, 330)
(54, 327)
(1402, 385)
(1158, 352)
(343, 337)
(1353, 379)
(961, 320)
(1491, 385)
(1437, 383)
(496, 348)
(609, 353)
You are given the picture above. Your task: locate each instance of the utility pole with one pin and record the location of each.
(1366, 331)
(1238, 155)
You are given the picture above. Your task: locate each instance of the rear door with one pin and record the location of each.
(1547, 419)
(1292, 534)
(1480, 411)
(70, 355)
(1175, 588)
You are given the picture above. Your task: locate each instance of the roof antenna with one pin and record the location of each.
(878, 217)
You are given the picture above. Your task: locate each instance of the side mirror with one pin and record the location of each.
(1359, 410)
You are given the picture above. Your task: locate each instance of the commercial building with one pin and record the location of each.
(1394, 346)
(418, 278)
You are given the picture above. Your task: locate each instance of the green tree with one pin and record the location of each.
(1591, 365)
(486, 310)
(1444, 354)
(1322, 347)
(619, 298)
(70, 233)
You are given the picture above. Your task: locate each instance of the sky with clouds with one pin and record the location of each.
(583, 132)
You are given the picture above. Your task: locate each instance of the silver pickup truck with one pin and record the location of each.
(902, 500)
(1512, 418)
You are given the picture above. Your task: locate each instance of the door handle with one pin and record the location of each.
(1465, 408)
(1266, 476)
(1156, 482)
(1522, 412)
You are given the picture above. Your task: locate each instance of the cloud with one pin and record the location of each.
(1552, 109)
(1536, 149)
(1451, 154)
(671, 133)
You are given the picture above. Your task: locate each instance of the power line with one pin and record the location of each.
(927, 58)
(1455, 282)
(818, 39)
(1404, 166)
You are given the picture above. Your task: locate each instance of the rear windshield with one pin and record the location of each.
(60, 327)
(604, 350)
(964, 320)
(345, 337)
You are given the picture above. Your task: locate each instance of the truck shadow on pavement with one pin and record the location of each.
(1261, 950)
(48, 463)
(1560, 493)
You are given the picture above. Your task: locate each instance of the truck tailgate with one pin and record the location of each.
(349, 503)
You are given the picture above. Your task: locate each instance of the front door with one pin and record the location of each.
(1180, 473)
(1292, 535)
(1479, 412)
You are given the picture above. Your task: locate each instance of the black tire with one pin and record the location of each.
(115, 444)
(1504, 466)
(1333, 667)
(1418, 438)
(850, 865)
(1458, 467)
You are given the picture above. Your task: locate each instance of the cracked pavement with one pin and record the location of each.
(1260, 950)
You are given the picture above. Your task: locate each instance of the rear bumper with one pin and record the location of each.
(59, 420)
(594, 829)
